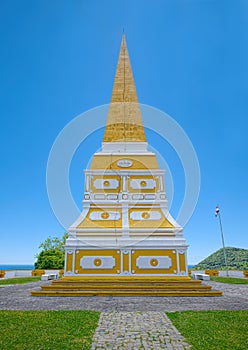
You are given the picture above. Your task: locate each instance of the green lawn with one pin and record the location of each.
(19, 280)
(47, 330)
(230, 280)
(213, 330)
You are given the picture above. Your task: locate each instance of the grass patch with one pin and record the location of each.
(230, 280)
(211, 330)
(19, 280)
(47, 330)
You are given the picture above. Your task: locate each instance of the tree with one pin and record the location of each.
(52, 253)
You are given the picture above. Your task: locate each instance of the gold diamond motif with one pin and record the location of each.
(143, 183)
(106, 183)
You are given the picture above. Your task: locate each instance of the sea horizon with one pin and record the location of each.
(8, 267)
(16, 267)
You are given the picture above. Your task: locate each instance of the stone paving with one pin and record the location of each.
(17, 297)
(129, 322)
(137, 330)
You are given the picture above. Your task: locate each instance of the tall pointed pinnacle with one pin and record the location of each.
(124, 123)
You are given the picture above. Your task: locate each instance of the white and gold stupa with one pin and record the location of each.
(125, 241)
(125, 228)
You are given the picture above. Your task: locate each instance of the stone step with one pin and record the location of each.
(171, 293)
(127, 279)
(126, 286)
(130, 284)
(90, 286)
(124, 281)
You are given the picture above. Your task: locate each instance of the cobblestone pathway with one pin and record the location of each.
(137, 330)
(18, 297)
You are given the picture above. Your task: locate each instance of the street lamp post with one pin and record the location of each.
(217, 213)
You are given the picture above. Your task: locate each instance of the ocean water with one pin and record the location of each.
(31, 267)
(16, 267)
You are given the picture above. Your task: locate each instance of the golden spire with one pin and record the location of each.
(124, 121)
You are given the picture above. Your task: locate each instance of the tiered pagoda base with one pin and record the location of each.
(126, 286)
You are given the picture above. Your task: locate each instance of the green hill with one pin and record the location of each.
(237, 259)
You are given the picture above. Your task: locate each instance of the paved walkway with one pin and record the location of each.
(17, 297)
(137, 330)
(129, 322)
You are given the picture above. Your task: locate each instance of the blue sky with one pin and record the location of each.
(58, 59)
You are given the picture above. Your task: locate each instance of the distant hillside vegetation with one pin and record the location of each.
(237, 259)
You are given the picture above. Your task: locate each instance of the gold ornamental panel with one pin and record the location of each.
(115, 254)
(154, 262)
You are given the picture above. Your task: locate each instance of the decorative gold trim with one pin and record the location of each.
(145, 215)
(106, 179)
(69, 259)
(97, 262)
(95, 254)
(163, 222)
(182, 262)
(125, 260)
(153, 253)
(105, 215)
(109, 162)
(143, 183)
(88, 223)
(154, 262)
